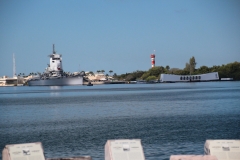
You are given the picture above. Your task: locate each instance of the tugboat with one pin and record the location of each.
(54, 75)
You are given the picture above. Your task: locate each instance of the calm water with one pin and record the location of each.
(173, 118)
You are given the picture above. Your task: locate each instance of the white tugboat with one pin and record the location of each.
(54, 75)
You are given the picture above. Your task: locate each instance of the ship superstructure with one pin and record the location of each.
(55, 66)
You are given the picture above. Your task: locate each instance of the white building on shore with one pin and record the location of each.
(96, 76)
(13, 81)
(8, 81)
(189, 78)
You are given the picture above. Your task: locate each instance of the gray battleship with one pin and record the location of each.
(54, 74)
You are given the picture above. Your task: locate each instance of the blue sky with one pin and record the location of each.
(118, 35)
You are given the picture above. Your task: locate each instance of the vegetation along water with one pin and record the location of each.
(230, 70)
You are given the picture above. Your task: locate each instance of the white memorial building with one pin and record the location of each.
(189, 78)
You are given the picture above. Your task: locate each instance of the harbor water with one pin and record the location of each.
(169, 118)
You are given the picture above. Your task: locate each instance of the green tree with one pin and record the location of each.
(130, 77)
(167, 68)
(145, 75)
(110, 72)
(156, 71)
(231, 70)
(187, 67)
(102, 71)
(151, 78)
(192, 63)
(91, 72)
(173, 70)
(203, 69)
(214, 68)
(137, 74)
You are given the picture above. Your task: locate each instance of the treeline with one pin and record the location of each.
(231, 70)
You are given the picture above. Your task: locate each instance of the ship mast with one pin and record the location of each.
(54, 49)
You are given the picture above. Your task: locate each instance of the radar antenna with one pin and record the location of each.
(54, 49)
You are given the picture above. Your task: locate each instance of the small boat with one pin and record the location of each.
(89, 84)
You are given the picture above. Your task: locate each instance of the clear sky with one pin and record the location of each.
(117, 35)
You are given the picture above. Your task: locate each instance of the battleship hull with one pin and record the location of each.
(62, 81)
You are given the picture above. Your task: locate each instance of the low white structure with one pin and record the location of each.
(7, 81)
(189, 78)
(124, 149)
(25, 151)
(223, 149)
(97, 77)
(31, 151)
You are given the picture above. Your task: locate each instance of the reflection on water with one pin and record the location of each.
(55, 87)
(78, 120)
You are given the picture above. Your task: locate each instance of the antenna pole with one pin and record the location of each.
(53, 49)
(14, 66)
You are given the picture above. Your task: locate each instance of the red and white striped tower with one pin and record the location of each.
(153, 60)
